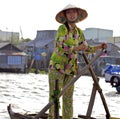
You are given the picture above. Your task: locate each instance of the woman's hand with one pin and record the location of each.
(104, 46)
(101, 46)
(80, 47)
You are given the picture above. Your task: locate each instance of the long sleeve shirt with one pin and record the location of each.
(64, 59)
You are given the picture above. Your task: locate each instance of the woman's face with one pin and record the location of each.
(71, 14)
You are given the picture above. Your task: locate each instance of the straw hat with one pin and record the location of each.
(60, 17)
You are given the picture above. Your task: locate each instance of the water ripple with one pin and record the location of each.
(22, 90)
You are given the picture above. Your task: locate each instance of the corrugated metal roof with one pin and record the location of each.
(43, 38)
(13, 53)
(45, 34)
(10, 49)
(39, 43)
(3, 44)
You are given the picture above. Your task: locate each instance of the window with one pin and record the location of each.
(16, 60)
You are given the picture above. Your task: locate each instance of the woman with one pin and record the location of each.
(63, 64)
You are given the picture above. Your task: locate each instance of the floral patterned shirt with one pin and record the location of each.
(64, 59)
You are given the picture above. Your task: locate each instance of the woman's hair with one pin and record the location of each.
(66, 23)
(67, 26)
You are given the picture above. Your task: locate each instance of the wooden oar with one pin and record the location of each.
(98, 87)
(114, 118)
(84, 70)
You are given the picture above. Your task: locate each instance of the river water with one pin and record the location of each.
(29, 93)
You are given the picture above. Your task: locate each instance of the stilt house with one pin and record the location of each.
(41, 48)
(12, 59)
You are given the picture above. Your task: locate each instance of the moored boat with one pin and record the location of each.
(15, 115)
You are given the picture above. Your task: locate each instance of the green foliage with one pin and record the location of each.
(33, 70)
(25, 40)
(14, 39)
(55, 97)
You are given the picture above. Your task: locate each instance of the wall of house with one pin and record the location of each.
(97, 33)
(8, 36)
(114, 40)
(16, 63)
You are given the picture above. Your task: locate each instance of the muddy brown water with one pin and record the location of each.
(28, 93)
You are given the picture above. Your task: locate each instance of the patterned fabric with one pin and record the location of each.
(67, 108)
(63, 58)
(63, 66)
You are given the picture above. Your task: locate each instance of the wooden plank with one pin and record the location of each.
(92, 100)
(85, 117)
(31, 64)
(114, 118)
(98, 88)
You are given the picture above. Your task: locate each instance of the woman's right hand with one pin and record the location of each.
(80, 47)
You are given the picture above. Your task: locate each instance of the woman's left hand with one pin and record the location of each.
(104, 46)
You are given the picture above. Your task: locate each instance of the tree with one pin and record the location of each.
(26, 40)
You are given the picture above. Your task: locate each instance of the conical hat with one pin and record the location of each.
(61, 18)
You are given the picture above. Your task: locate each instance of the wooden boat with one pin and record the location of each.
(15, 115)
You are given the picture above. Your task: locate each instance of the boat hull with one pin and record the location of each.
(14, 115)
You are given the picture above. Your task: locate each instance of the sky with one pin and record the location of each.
(29, 16)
